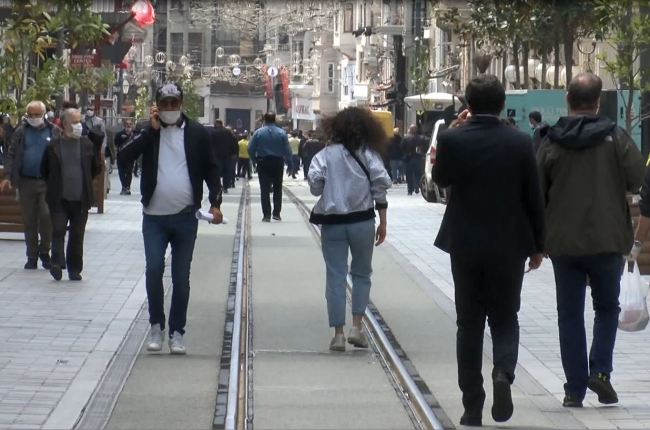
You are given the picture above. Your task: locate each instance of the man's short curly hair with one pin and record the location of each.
(353, 127)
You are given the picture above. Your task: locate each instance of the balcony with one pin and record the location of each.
(392, 19)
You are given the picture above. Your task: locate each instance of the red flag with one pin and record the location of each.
(143, 13)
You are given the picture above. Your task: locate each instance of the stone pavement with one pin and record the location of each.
(412, 227)
(58, 338)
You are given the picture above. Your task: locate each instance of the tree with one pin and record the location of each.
(142, 103)
(575, 19)
(626, 27)
(26, 72)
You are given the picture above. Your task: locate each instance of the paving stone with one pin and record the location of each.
(49, 329)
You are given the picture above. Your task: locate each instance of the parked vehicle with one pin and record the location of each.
(431, 192)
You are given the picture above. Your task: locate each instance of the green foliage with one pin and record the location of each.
(191, 100)
(142, 103)
(527, 25)
(419, 73)
(627, 25)
(33, 27)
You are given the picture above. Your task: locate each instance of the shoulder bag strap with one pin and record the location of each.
(363, 166)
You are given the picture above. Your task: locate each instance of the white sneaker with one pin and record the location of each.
(338, 343)
(176, 344)
(357, 338)
(156, 340)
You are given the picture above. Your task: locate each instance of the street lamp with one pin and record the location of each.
(550, 74)
(125, 87)
(585, 52)
(575, 70)
(511, 74)
(538, 72)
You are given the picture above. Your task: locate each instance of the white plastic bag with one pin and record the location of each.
(633, 301)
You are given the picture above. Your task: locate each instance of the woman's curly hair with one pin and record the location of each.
(353, 127)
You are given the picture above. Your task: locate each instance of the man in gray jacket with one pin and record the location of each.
(22, 171)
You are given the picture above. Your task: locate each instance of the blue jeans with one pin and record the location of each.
(179, 231)
(397, 169)
(413, 167)
(604, 271)
(359, 238)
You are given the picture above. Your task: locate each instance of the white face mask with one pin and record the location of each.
(77, 130)
(169, 116)
(90, 113)
(35, 122)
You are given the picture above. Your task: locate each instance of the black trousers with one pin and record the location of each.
(244, 167)
(306, 162)
(62, 214)
(270, 171)
(125, 170)
(486, 286)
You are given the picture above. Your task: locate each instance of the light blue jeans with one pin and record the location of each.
(337, 239)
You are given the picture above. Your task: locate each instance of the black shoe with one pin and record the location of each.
(410, 193)
(277, 218)
(601, 385)
(471, 419)
(32, 264)
(502, 408)
(571, 402)
(128, 191)
(266, 219)
(74, 276)
(46, 261)
(123, 192)
(56, 272)
(225, 190)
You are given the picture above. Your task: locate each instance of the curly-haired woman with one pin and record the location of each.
(352, 182)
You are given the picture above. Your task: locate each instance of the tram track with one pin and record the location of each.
(413, 391)
(234, 406)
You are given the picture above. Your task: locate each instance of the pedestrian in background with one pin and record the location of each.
(226, 149)
(489, 236)
(350, 178)
(539, 127)
(294, 143)
(125, 169)
(269, 147)
(68, 168)
(244, 161)
(414, 148)
(22, 170)
(588, 165)
(312, 146)
(396, 157)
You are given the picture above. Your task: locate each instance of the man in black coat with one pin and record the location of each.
(493, 223)
(226, 149)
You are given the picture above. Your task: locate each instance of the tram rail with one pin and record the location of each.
(234, 406)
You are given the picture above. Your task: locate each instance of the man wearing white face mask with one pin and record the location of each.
(69, 167)
(22, 171)
(177, 157)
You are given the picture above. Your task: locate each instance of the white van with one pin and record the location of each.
(431, 192)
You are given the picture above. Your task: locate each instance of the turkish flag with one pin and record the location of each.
(143, 13)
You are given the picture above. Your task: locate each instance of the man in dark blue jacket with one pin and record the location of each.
(270, 147)
(177, 157)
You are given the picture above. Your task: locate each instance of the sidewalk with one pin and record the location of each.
(59, 337)
(423, 320)
(413, 226)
